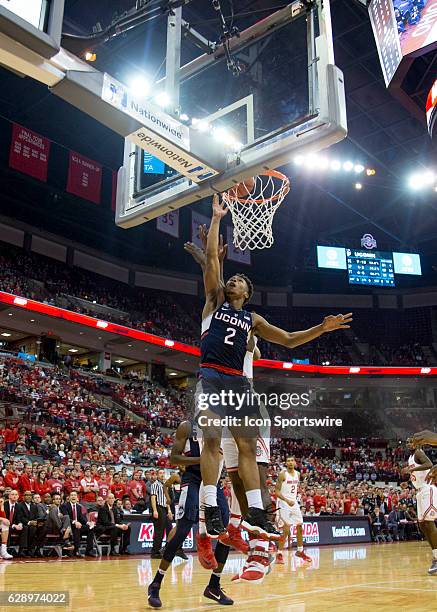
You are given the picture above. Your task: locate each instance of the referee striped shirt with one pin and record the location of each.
(158, 490)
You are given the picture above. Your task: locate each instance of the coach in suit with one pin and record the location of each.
(13, 513)
(79, 526)
(109, 522)
(57, 522)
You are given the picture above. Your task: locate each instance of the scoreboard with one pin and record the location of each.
(370, 268)
(402, 28)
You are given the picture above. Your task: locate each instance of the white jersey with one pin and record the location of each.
(417, 478)
(290, 485)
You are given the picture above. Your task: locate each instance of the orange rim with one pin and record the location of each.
(271, 173)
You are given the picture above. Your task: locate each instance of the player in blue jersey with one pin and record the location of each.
(225, 391)
(186, 452)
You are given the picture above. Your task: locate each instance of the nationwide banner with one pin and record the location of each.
(161, 135)
(29, 152)
(84, 177)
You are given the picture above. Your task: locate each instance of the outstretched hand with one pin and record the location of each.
(333, 322)
(219, 209)
(196, 252)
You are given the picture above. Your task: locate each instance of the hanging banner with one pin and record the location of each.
(196, 220)
(84, 178)
(235, 254)
(169, 223)
(29, 152)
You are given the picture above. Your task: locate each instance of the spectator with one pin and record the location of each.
(109, 523)
(16, 527)
(4, 530)
(79, 526)
(59, 523)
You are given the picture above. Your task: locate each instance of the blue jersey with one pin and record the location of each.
(192, 449)
(225, 334)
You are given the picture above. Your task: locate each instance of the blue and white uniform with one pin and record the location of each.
(225, 334)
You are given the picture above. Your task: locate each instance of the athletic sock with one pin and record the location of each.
(300, 549)
(159, 576)
(235, 520)
(210, 495)
(434, 553)
(254, 499)
(214, 581)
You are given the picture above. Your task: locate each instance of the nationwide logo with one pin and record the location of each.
(348, 532)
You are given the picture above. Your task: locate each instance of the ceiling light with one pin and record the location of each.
(221, 134)
(90, 56)
(32, 320)
(335, 165)
(6, 334)
(298, 160)
(348, 166)
(358, 186)
(10, 314)
(173, 373)
(73, 350)
(370, 172)
(119, 361)
(358, 168)
(184, 117)
(139, 86)
(202, 125)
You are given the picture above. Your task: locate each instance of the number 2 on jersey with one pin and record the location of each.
(228, 339)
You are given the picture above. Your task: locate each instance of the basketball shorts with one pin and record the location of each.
(289, 515)
(426, 498)
(230, 450)
(225, 395)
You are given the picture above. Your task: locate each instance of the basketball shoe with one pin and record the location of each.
(205, 552)
(218, 595)
(433, 569)
(232, 537)
(280, 559)
(153, 596)
(256, 568)
(302, 555)
(256, 522)
(213, 521)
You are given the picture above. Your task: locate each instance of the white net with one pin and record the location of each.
(253, 210)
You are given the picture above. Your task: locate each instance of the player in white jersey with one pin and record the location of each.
(289, 513)
(419, 467)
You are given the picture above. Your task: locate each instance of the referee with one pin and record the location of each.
(161, 513)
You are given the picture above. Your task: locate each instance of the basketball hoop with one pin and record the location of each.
(253, 208)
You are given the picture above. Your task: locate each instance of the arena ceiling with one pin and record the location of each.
(382, 134)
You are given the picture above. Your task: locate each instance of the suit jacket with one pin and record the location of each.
(67, 508)
(7, 508)
(25, 514)
(54, 519)
(394, 517)
(104, 517)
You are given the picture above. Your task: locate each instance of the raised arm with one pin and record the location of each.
(211, 277)
(269, 332)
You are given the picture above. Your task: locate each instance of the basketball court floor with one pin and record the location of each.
(381, 577)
